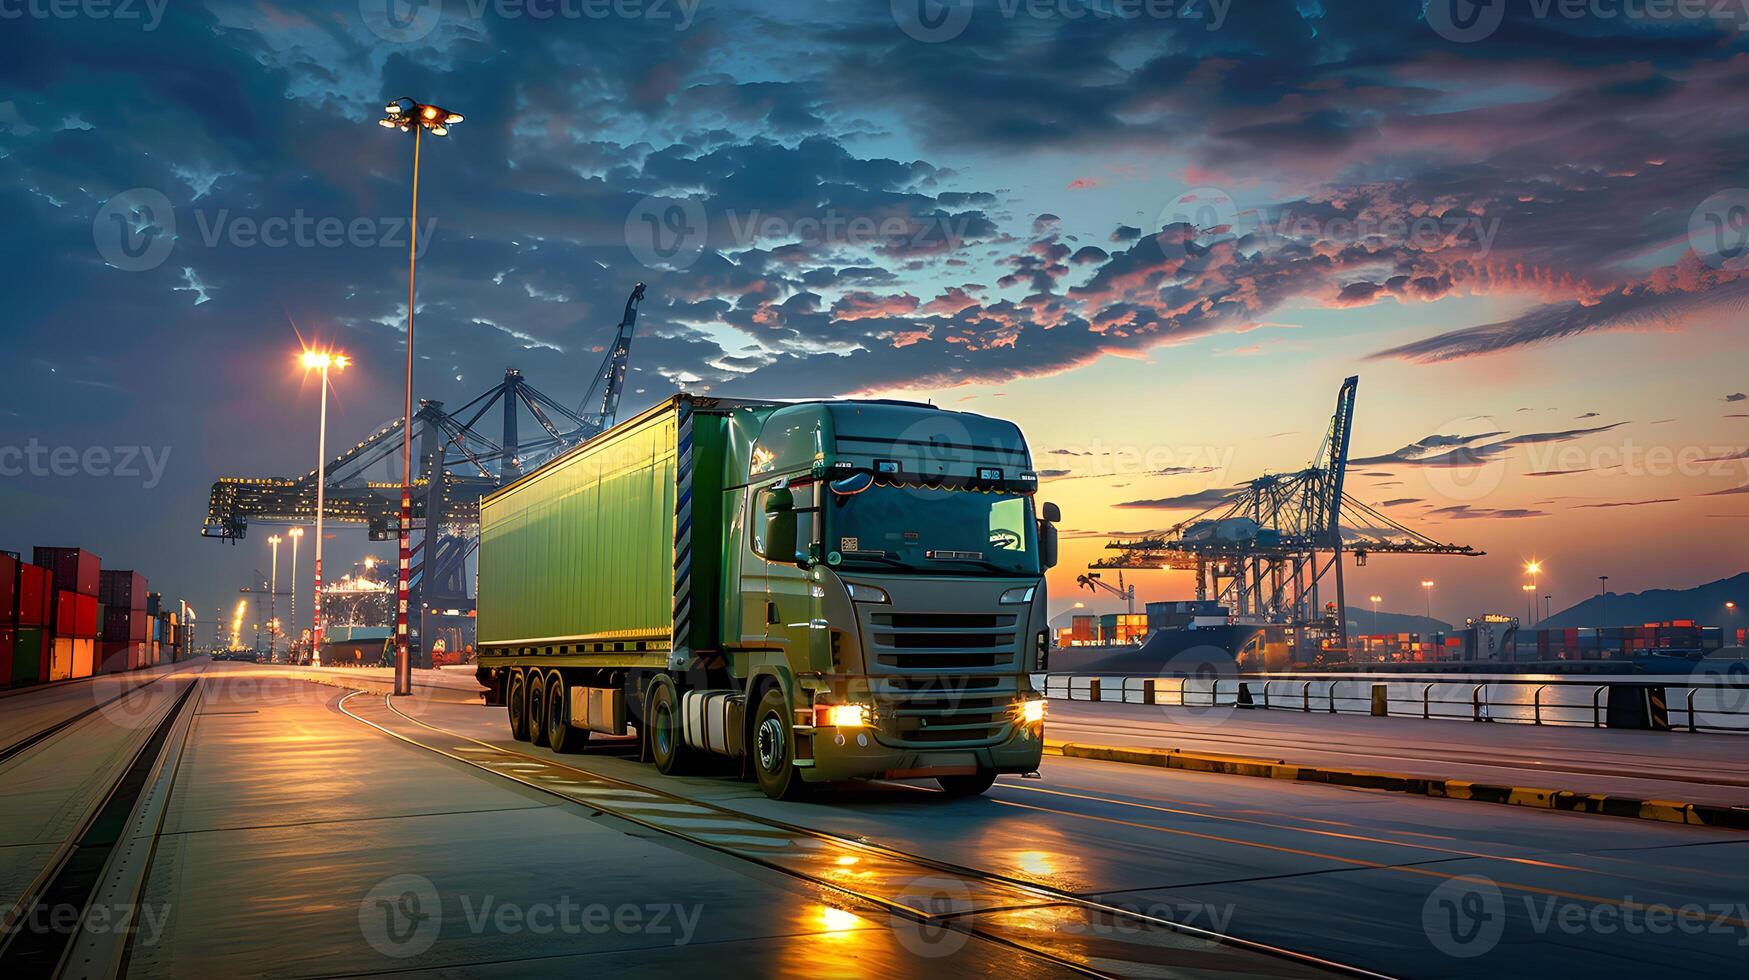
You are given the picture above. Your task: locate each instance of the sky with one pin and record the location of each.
(1157, 235)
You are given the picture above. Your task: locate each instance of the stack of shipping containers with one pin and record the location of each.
(73, 652)
(125, 633)
(62, 617)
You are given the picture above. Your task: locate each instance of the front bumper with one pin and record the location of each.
(856, 753)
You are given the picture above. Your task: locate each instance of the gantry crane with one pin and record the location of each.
(457, 465)
(1093, 583)
(1274, 538)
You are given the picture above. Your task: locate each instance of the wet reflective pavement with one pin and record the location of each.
(309, 831)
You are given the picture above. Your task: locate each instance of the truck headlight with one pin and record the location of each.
(1031, 712)
(866, 593)
(841, 715)
(1017, 596)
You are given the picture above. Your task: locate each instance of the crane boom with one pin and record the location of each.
(610, 378)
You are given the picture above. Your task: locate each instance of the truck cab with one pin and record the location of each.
(890, 561)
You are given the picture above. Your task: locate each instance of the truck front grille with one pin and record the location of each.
(943, 641)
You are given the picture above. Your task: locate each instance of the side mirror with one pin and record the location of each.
(778, 537)
(1047, 534)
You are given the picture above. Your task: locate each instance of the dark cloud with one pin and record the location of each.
(1735, 396)
(1627, 503)
(1465, 512)
(1200, 500)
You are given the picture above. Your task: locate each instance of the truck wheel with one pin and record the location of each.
(774, 749)
(537, 707)
(517, 701)
(562, 736)
(668, 748)
(973, 785)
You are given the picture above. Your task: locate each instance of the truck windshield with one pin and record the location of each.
(924, 529)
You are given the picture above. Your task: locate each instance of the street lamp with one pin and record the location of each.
(273, 597)
(413, 117)
(1533, 568)
(1603, 605)
(321, 361)
(1427, 587)
(1375, 612)
(1530, 593)
(296, 534)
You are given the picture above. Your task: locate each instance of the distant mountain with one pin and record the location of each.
(1360, 622)
(1705, 604)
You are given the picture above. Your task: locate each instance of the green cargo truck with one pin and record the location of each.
(823, 590)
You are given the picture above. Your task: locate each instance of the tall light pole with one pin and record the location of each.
(413, 117)
(1427, 587)
(1375, 612)
(1530, 593)
(1603, 610)
(273, 598)
(1533, 568)
(296, 534)
(321, 361)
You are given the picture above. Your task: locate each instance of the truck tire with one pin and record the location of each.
(562, 736)
(516, 701)
(973, 785)
(668, 748)
(537, 706)
(773, 749)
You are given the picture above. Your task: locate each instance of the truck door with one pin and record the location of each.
(790, 588)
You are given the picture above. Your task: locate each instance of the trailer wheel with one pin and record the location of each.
(537, 707)
(668, 748)
(774, 749)
(562, 736)
(517, 701)
(973, 785)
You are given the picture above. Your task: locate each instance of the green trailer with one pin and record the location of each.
(823, 590)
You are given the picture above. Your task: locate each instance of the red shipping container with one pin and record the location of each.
(75, 569)
(8, 590)
(75, 616)
(121, 587)
(8, 644)
(124, 624)
(36, 596)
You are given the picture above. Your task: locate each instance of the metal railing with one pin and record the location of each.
(1688, 704)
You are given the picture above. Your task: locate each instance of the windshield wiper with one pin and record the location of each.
(983, 563)
(878, 556)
